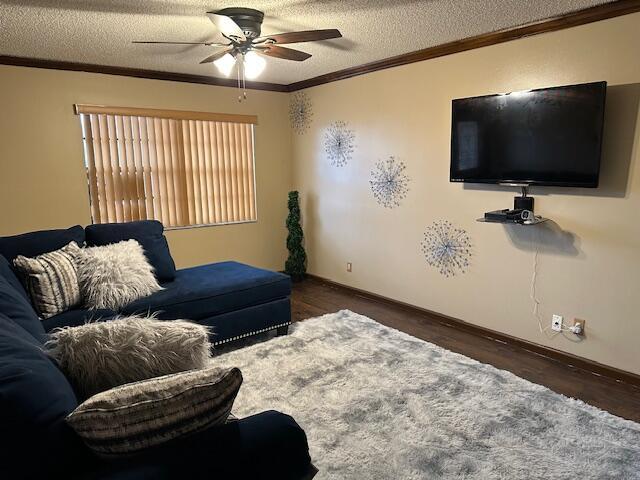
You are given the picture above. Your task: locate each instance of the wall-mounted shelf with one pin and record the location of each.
(536, 221)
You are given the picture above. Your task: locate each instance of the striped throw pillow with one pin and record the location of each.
(136, 416)
(51, 280)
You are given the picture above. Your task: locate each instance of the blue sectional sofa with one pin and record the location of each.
(234, 299)
(35, 397)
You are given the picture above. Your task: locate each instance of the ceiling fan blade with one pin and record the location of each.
(209, 44)
(282, 52)
(216, 56)
(226, 25)
(306, 36)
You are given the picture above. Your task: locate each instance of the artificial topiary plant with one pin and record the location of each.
(296, 264)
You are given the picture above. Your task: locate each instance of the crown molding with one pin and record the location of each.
(137, 73)
(573, 19)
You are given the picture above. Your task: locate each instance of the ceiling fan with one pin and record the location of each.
(241, 27)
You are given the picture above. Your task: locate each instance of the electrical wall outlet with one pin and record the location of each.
(556, 323)
(578, 326)
(348, 266)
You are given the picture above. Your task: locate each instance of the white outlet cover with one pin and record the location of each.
(556, 323)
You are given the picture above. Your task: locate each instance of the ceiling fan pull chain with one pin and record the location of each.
(244, 80)
(239, 84)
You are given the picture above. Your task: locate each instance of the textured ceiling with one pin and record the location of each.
(101, 31)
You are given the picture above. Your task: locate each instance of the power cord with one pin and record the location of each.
(575, 329)
(532, 294)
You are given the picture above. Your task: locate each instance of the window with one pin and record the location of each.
(182, 168)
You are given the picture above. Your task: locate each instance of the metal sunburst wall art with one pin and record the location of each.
(389, 183)
(447, 248)
(339, 144)
(300, 112)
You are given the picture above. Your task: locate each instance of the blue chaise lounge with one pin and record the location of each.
(236, 300)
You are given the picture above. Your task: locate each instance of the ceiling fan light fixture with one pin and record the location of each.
(225, 64)
(243, 46)
(254, 65)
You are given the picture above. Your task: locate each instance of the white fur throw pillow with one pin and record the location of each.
(98, 356)
(112, 276)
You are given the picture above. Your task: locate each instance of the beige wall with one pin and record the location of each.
(42, 179)
(589, 262)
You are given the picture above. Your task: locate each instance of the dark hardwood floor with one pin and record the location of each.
(313, 297)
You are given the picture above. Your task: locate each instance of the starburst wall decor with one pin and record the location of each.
(447, 248)
(339, 143)
(389, 183)
(300, 112)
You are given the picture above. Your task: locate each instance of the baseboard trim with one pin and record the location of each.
(558, 355)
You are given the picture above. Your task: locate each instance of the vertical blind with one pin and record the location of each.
(181, 168)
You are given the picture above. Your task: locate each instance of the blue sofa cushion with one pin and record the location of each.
(80, 316)
(35, 243)
(35, 398)
(7, 272)
(269, 445)
(149, 233)
(17, 308)
(208, 290)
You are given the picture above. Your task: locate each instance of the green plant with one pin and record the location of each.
(296, 264)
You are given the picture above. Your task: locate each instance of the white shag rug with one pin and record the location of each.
(377, 403)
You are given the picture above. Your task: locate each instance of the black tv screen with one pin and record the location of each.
(549, 136)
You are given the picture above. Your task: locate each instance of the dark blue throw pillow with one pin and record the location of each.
(35, 398)
(7, 272)
(148, 233)
(35, 243)
(20, 310)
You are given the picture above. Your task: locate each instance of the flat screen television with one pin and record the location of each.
(549, 136)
